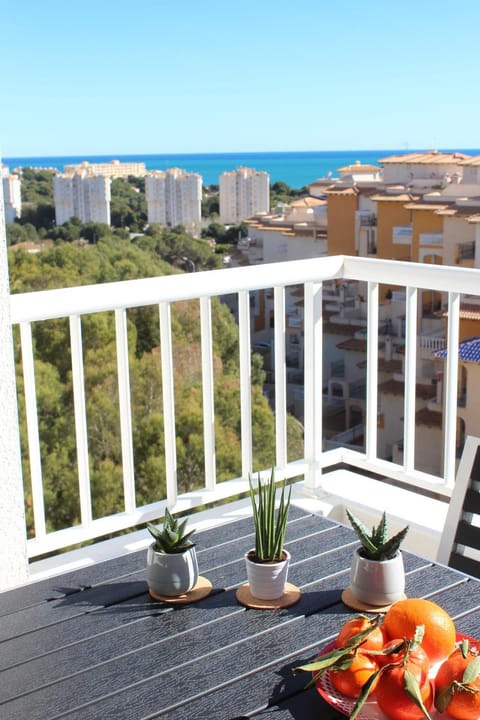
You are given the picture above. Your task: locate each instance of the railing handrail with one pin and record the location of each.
(62, 302)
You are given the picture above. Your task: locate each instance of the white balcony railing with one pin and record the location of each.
(73, 303)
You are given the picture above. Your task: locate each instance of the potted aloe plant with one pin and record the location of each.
(377, 575)
(172, 567)
(267, 563)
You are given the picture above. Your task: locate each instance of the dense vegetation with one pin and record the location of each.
(112, 258)
(83, 254)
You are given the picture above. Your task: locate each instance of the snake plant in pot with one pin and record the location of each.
(377, 574)
(172, 567)
(267, 563)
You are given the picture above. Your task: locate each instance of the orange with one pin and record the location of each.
(405, 615)
(464, 703)
(417, 656)
(373, 641)
(351, 680)
(392, 698)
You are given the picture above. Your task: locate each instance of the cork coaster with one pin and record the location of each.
(290, 597)
(202, 589)
(349, 599)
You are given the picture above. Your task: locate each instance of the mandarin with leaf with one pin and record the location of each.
(373, 640)
(406, 615)
(457, 684)
(351, 680)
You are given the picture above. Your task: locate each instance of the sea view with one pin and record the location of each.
(295, 168)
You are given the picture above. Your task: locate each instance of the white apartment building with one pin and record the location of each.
(82, 195)
(174, 197)
(113, 169)
(243, 193)
(12, 195)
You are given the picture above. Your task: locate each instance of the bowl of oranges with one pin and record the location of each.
(407, 665)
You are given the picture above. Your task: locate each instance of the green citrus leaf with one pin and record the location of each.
(418, 635)
(366, 690)
(464, 647)
(328, 660)
(357, 639)
(412, 689)
(443, 697)
(472, 671)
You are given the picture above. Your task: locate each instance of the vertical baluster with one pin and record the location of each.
(208, 393)
(245, 381)
(372, 373)
(125, 410)
(32, 429)
(313, 391)
(80, 412)
(451, 389)
(410, 380)
(280, 379)
(168, 402)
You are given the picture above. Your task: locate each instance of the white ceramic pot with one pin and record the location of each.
(172, 574)
(267, 580)
(377, 582)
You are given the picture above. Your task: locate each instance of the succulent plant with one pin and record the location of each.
(375, 544)
(270, 526)
(172, 538)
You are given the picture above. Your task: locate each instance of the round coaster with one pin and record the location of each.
(202, 589)
(290, 597)
(349, 599)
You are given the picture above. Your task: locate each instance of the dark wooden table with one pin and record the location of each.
(92, 644)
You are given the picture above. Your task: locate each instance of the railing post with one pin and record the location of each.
(13, 542)
(313, 396)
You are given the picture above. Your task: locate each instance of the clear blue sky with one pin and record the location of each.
(151, 76)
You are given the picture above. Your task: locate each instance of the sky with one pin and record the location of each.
(184, 76)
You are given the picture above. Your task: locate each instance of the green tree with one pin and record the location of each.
(110, 259)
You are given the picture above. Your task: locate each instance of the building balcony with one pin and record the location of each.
(366, 481)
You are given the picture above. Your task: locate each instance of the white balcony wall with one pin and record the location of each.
(13, 546)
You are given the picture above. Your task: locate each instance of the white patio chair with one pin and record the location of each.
(460, 542)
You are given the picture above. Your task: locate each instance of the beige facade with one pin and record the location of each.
(174, 197)
(82, 195)
(113, 169)
(12, 195)
(243, 193)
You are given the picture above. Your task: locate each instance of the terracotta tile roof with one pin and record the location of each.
(336, 328)
(396, 387)
(341, 191)
(307, 202)
(474, 160)
(461, 211)
(391, 387)
(469, 311)
(427, 417)
(432, 157)
(353, 344)
(426, 206)
(359, 168)
(385, 197)
(392, 366)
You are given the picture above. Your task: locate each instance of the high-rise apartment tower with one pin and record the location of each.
(81, 195)
(174, 197)
(243, 193)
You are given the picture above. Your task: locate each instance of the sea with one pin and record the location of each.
(297, 169)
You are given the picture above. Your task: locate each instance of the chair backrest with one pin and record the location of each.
(460, 542)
